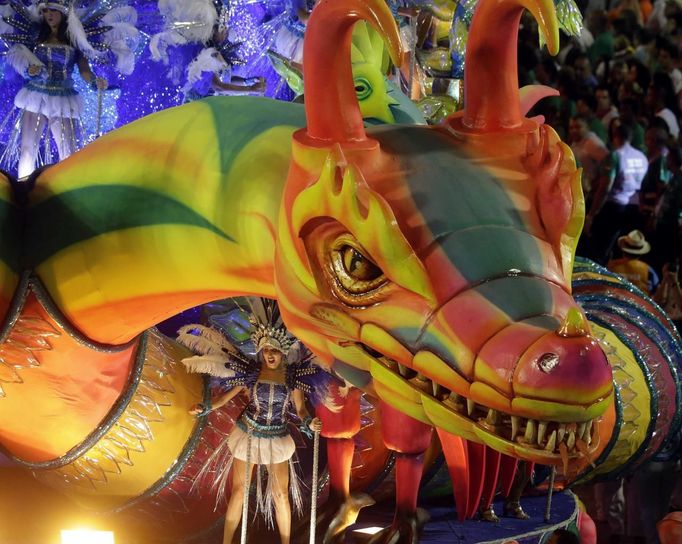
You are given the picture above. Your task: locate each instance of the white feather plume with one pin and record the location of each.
(6, 11)
(20, 58)
(122, 14)
(209, 60)
(125, 57)
(78, 37)
(159, 44)
(208, 364)
(211, 340)
(193, 19)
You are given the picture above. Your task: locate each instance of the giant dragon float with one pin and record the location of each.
(432, 268)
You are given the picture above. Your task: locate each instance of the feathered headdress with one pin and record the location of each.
(268, 328)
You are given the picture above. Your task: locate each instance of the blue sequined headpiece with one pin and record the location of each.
(59, 5)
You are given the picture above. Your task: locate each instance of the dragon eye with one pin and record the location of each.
(357, 266)
(362, 88)
(356, 278)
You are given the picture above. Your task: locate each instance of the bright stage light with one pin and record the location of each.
(86, 536)
(369, 530)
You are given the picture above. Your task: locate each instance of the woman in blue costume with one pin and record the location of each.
(51, 41)
(198, 30)
(274, 381)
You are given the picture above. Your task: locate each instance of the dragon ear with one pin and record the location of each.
(491, 87)
(332, 111)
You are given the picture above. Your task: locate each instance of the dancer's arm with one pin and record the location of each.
(221, 401)
(299, 401)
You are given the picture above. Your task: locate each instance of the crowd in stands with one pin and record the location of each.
(619, 110)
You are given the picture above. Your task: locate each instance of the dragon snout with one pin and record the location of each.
(566, 366)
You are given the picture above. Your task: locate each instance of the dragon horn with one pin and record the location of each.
(491, 86)
(331, 106)
(574, 324)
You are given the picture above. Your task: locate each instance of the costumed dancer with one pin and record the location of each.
(202, 26)
(280, 374)
(47, 40)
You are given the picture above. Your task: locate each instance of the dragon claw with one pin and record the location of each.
(404, 530)
(344, 516)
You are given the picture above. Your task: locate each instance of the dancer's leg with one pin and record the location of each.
(234, 506)
(32, 127)
(280, 489)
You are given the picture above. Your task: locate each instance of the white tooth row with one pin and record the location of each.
(530, 431)
(536, 433)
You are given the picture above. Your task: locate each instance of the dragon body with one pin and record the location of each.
(430, 267)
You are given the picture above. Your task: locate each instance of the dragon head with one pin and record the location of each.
(432, 265)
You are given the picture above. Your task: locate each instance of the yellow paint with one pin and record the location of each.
(351, 355)
(554, 411)
(394, 382)
(380, 340)
(447, 419)
(97, 273)
(438, 371)
(368, 217)
(487, 396)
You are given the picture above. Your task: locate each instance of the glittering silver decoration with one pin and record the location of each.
(30, 334)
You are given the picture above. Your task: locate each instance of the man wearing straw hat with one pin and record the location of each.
(630, 267)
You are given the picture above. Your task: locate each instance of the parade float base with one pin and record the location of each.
(444, 527)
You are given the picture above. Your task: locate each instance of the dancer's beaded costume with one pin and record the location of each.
(264, 425)
(98, 31)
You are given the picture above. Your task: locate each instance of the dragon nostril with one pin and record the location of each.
(548, 362)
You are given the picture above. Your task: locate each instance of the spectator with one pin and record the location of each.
(615, 202)
(629, 114)
(667, 63)
(584, 78)
(659, 98)
(668, 213)
(605, 110)
(636, 271)
(589, 151)
(602, 48)
(657, 174)
(586, 106)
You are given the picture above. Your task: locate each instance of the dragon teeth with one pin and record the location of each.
(436, 389)
(531, 432)
(542, 430)
(492, 417)
(470, 406)
(515, 424)
(581, 429)
(403, 370)
(551, 443)
(561, 433)
(570, 441)
(587, 435)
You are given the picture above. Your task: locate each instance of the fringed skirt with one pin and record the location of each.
(265, 453)
(67, 106)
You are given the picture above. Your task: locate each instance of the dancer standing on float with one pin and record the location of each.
(209, 72)
(48, 40)
(279, 375)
